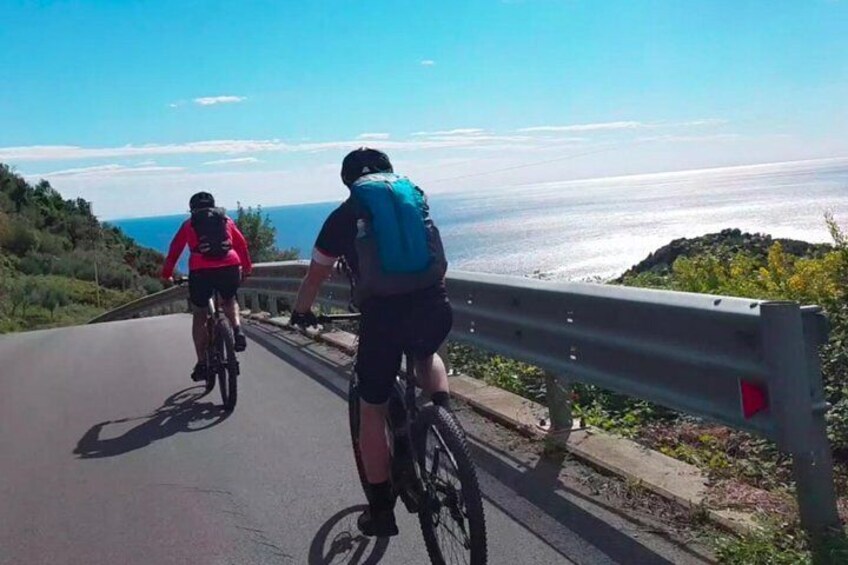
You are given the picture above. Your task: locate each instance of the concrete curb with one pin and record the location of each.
(670, 478)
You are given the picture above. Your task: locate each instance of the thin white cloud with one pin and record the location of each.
(620, 125)
(702, 122)
(601, 126)
(450, 132)
(227, 147)
(672, 137)
(106, 170)
(236, 161)
(374, 136)
(466, 138)
(428, 63)
(212, 100)
(65, 152)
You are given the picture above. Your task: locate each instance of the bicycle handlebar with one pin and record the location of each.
(330, 318)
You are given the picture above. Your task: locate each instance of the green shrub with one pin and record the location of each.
(52, 244)
(772, 546)
(150, 285)
(508, 374)
(21, 239)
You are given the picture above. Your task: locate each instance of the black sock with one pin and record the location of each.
(441, 398)
(381, 496)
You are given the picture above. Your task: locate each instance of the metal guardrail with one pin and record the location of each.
(710, 356)
(161, 302)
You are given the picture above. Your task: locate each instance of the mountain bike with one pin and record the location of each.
(221, 361)
(431, 468)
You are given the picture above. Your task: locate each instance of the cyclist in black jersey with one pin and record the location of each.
(403, 302)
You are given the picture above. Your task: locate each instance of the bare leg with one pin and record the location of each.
(379, 519)
(231, 311)
(198, 332)
(431, 373)
(373, 442)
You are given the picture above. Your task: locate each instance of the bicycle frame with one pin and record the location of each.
(213, 312)
(400, 419)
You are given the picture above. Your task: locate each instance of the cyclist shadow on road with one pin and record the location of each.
(179, 413)
(339, 542)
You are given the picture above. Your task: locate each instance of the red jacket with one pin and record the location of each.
(186, 235)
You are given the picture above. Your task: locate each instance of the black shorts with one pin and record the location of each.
(391, 326)
(202, 283)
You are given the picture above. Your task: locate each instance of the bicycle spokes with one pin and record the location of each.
(445, 499)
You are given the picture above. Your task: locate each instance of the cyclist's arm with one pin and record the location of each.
(177, 245)
(240, 246)
(338, 228)
(320, 268)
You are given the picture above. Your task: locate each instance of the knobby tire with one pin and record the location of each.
(453, 440)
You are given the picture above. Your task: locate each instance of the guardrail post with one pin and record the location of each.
(558, 399)
(254, 302)
(801, 428)
(240, 299)
(272, 306)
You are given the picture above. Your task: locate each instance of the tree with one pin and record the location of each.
(261, 236)
(20, 193)
(52, 298)
(20, 239)
(22, 294)
(5, 228)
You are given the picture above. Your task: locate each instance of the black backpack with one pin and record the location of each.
(210, 225)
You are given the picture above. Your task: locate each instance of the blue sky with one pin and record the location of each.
(135, 105)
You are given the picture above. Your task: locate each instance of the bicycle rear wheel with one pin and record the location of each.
(211, 371)
(228, 368)
(452, 520)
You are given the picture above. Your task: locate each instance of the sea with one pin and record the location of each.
(591, 229)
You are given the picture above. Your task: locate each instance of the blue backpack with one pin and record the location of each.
(398, 246)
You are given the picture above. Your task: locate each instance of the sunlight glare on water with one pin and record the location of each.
(600, 227)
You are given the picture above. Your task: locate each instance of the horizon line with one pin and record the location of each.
(632, 176)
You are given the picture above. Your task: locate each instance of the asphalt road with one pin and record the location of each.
(109, 454)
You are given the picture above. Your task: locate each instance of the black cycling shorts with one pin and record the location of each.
(203, 282)
(389, 327)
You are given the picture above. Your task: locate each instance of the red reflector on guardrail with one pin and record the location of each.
(753, 398)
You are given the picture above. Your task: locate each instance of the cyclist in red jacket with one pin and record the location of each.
(219, 260)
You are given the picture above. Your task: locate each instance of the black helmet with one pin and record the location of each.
(364, 161)
(201, 200)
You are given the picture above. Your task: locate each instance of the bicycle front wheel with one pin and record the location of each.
(451, 518)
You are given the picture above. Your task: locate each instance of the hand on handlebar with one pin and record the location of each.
(303, 319)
